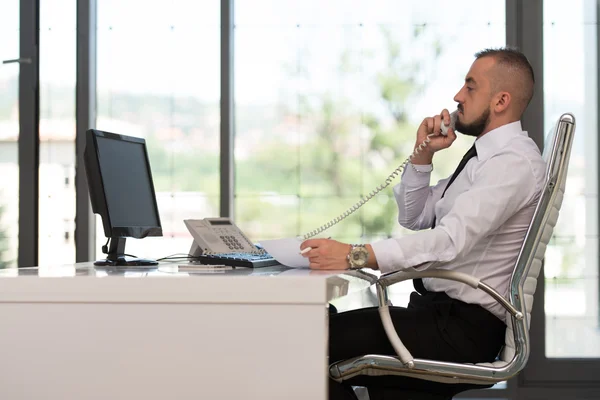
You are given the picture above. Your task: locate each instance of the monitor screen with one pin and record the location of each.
(121, 186)
(127, 183)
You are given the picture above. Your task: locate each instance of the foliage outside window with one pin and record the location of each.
(330, 145)
(4, 244)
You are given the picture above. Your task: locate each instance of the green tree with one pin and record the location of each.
(399, 83)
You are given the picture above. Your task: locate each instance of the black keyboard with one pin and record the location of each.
(238, 260)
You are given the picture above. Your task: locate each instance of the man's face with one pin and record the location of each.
(474, 99)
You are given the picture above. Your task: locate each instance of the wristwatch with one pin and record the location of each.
(358, 256)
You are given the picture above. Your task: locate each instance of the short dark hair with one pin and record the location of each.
(510, 57)
(513, 61)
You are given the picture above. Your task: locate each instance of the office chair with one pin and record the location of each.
(518, 305)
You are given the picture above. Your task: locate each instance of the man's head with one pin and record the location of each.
(497, 90)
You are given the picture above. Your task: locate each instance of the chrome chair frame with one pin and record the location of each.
(518, 304)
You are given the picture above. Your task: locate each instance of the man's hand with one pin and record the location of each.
(438, 142)
(326, 254)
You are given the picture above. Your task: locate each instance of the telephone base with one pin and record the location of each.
(123, 262)
(247, 260)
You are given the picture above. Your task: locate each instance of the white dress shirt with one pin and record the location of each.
(480, 222)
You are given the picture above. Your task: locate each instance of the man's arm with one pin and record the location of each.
(497, 194)
(416, 199)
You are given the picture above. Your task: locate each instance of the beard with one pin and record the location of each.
(476, 127)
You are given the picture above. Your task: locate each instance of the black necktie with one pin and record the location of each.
(472, 152)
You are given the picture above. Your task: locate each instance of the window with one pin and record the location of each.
(57, 132)
(158, 78)
(328, 103)
(9, 134)
(571, 263)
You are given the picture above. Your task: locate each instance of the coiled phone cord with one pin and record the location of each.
(371, 194)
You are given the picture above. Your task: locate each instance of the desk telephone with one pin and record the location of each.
(220, 241)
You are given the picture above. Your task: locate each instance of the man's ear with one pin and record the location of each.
(501, 101)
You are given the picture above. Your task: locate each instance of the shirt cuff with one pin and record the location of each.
(422, 168)
(417, 175)
(389, 255)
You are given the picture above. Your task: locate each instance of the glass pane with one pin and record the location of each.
(174, 208)
(571, 264)
(328, 103)
(9, 133)
(57, 132)
(273, 211)
(159, 79)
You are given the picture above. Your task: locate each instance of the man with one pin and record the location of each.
(479, 218)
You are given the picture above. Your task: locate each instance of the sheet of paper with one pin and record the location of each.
(286, 251)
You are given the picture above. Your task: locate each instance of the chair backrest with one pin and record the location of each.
(557, 151)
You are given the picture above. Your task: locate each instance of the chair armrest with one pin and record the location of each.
(363, 274)
(403, 353)
(399, 276)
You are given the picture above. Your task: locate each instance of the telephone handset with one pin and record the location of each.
(386, 183)
(445, 127)
(218, 235)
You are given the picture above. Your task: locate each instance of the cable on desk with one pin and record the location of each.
(178, 256)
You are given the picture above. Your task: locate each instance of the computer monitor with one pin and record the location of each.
(121, 192)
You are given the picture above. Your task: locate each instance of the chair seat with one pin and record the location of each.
(383, 365)
(495, 364)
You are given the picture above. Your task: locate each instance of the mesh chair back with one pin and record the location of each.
(523, 282)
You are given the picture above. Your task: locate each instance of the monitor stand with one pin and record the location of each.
(117, 258)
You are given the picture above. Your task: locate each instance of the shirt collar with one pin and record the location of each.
(490, 143)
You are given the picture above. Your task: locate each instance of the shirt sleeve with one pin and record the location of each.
(416, 199)
(497, 194)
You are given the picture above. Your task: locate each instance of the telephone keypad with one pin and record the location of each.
(231, 242)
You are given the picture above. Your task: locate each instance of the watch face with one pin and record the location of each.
(358, 257)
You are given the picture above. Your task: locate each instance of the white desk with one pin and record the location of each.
(75, 332)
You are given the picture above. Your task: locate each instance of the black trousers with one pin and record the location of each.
(433, 326)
